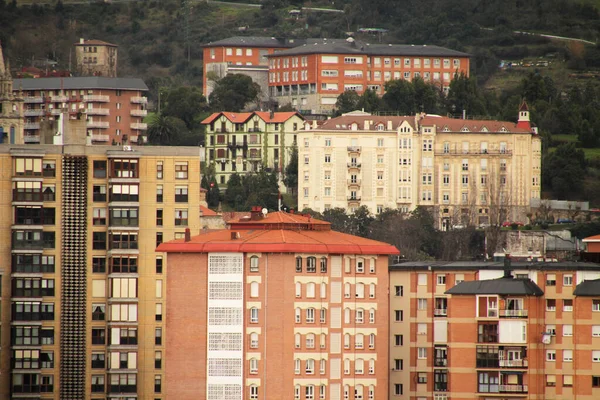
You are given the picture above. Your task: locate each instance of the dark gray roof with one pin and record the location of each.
(87, 82)
(256, 41)
(341, 46)
(588, 288)
(494, 265)
(501, 286)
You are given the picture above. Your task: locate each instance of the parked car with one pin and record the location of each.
(564, 221)
(506, 224)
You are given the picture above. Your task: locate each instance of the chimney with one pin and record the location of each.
(188, 235)
(81, 40)
(366, 125)
(255, 213)
(272, 114)
(235, 235)
(507, 266)
(389, 126)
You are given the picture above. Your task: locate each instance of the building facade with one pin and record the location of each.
(281, 307)
(83, 300)
(115, 107)
(245, 142)
(469, 171)
(96, 58)
(312, 76)
(11, 107)
(487, 330)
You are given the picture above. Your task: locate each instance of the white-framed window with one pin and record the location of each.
(360, 290)
(595, 355)
(422, 304)
(254, 340)
(441, 279)
(253, 392)
(359, 341)
(298, 289)
(297, 372)
(567, 355)
(421, 329)
(596, 330)
(359, 366)
(323, 316)
(567, 330)
(253, 366)
(298, 315)
(360, 315)
(310, 290)
(551, 329)
(372, 289)
(310, 366)
(422, 353)
(422, 279)
(596, 305)
(297, 340)
(372, 341)
(372, 316)
(347, 290)
(322, 366)
(310, 340)
(550, 355)
(254, 315)
(310, 315)
(360, 266)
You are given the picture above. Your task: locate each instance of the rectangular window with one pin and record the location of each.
(551, 280)
(399, 291)
(181, 170)
(421, 352)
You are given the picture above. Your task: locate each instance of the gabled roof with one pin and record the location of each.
(207, 212)
(472, 125)
(592, 239)
(94, 42)
(239, 118)
(345, 122)
(501, 286)
(524, 106)
(588, 288)
(76, 83)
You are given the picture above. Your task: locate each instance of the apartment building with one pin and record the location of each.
(487, 330)
(115, 107)
(241, 55)
(83, 300)
(96, 58)
(467, 171)
(313, 75)
(245, 142)
(277, 306)
(11, 107)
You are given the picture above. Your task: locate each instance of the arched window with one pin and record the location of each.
(346, 315)
(253, 366)
(371, 366)
(254, 289)
(323, 366)
(371, 392)
(372, 316)
(254, 264)
(359, 341)
(359, 366)
(297, 370)
(360, 290)
(323, 316)
(372, 290)
(298, 315)
(347, 387)
(360, 316)
(297, 340)
(298, 289)
(298, 264)
(254, 315)
(310, 340)
(254, 340)
(323, 264)
(310, 366)
(323, 340)
(372, 341)
(346, 367)
(358, 392)
(311, 264)
(253, 392)
(347, 341)
(310, 290)
(323, 290)
(360, 265)
(347, 290)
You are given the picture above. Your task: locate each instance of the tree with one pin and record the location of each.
(233, 92)
(427, 96)
(347, 101)
(400, 96)
(464, 95)
(164, 130)
(564, 170)
(209, 182)
(261, 189)
(185, 103)
(234, 194)
(291, 170)
(369, 101)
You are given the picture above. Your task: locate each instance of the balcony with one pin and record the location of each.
(139, 113)
(96, 98)
(97, 124)
(440, 312)
(354, 165)
(254, 155)
(33, 195)
(100, 138)
(32, 125)
(139, 100)
(440, 362)
(56, 111)
(354, 149)
(460, 152)
(513, 313)
(513, 363)
(33, 113)
(33, 99)
(31, 139)
(139, 125)
(354, 198)
(513, 388)
(59, 99)
(97, 111)
(354, 182)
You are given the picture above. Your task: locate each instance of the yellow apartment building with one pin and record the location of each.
(469, 172)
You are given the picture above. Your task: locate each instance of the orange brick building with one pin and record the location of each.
(114, 107)
(277, 306)
(488, 331)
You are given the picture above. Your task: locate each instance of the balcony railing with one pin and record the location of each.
(514, 363)
(354, 149)
(59, 99)
(32, 125)
(353, 165)
(139, 100)
(440, 362)
(440, 312)
(33, 113)
(97, 111)
(139, 113)
(513, 313)
(139, 125)
(97, 124)
(19, 195)
(96, 98)
(513, 388)
(31, 139)
(451, 152)
(354, 182)
(34, 99)
(100, 138)
(354, 198)
(56, 111)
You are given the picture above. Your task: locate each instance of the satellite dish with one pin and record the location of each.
(264, 212)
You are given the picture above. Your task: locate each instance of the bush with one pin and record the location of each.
(544, 225)
(514, 226)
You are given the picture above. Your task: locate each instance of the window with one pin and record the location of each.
(298, 315)
(551, 329)
(98, 336)
(421, 329)
(158, 336)
(98, 312)
(422, 304)
(399, 340)
(441, 279)
(360, 315)
(550, 305)
(551, 380)
(551, 280)
(567, 330)
(568, 305)
(99, 169)
(567, 380)
(567, 355)
(254, 315)
(550, 355)
(310, 366)
(158, 312)
(181, 170)
(253, 364)
(254, 340)
(181, 194)
(99, 240)
(359, 341)
(422, 352)
(311, 264)
(323, 264)
(298, 264)
(399, 291)
(398, 389)
(421, 377)
(159, 193)
(98, 360)
(310, 341)
(568, 280)
(360, 266)
(157, 383)
(310, 315)
(596, 381)
(254, 264)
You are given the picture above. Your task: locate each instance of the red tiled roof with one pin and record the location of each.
(595, 238)
(345, 121)
(238, 118)
(207, 212)
(94, 42)
(473, 125)
(278, 117)
(233, 117)
(279, 232)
